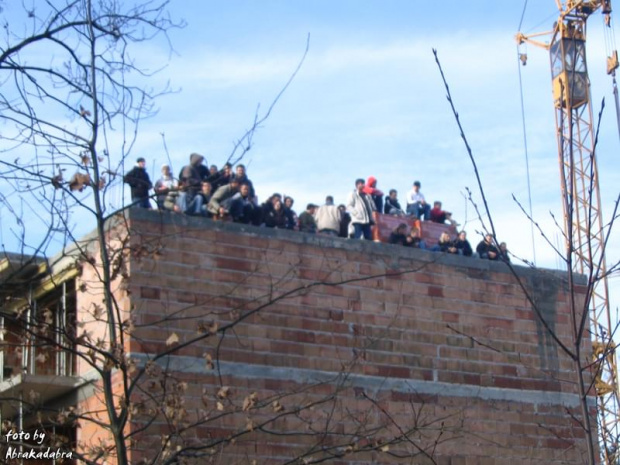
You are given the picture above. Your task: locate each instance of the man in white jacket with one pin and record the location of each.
(361, 206)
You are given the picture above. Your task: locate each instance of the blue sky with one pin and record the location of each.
(369, 101)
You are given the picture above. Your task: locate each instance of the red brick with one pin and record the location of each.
(435, 291)
(390, 327)
(152, 293)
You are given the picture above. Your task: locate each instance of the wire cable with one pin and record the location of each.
(611, 51)
(522, 15)
(527, 160)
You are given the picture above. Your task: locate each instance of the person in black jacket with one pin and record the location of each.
(445, 244)
(276, 217)
(391, 205)
(486, 249)
(242, 177)
(462, 245)
(291, 216)
(503, 252)
(345, 221)
(414, 240)
(222, 177)
(399, 235)
(140, 183)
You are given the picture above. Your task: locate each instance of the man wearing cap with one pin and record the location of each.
(416, 204)
(140, 183)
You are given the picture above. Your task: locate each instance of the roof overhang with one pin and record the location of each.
(26, 390)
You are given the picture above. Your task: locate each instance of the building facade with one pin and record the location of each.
(234, 344)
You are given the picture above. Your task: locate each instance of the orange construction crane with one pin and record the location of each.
(583, 221)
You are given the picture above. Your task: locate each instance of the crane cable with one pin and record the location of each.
(611, 51)
(520, 61)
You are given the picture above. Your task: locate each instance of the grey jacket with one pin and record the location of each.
(220, 198)
(361, 212)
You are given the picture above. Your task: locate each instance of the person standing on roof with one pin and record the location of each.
(140, 183)
(375, 194)
(328, 217)
(361, 207)
(163, 185)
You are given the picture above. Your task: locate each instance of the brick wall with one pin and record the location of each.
(380, 340)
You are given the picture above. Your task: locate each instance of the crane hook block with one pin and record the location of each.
(612, 62)
(606, 7)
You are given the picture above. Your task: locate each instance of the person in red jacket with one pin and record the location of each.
(437, 214)
(375, 194)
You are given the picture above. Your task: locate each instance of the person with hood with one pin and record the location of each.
(361, 207)
(190, 180)
(375, 194)
(140, 183)
(164, 185)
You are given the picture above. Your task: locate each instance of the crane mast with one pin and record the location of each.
(583, 221)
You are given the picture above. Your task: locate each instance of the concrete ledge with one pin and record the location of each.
(196, 365)
(390, 251)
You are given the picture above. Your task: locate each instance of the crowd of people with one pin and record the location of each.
(486, 249)
(224, 194)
